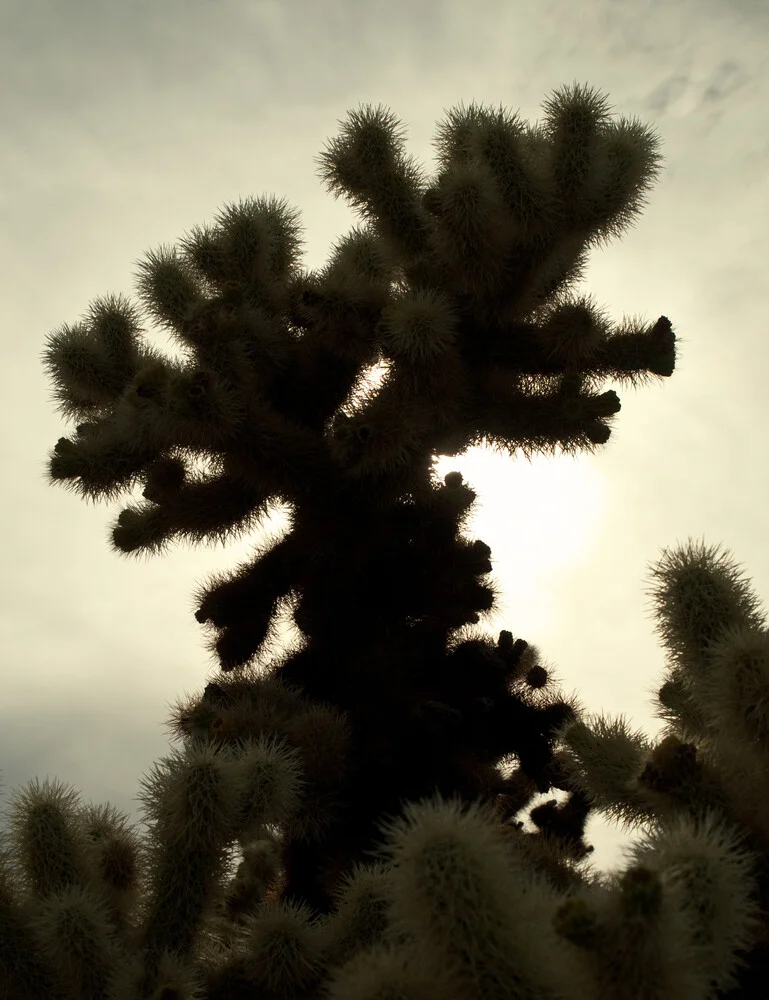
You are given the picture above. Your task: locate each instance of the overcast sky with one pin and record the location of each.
(124, 124)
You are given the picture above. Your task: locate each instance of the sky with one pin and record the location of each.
(126, 124)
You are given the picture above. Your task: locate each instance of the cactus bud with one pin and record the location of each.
(576, 922)
(641, 893)
(420, 325)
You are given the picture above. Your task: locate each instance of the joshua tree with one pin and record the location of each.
(459, 290)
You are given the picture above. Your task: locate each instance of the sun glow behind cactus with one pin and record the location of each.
(541, 518)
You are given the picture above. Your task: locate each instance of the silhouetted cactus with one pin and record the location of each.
(390, 716)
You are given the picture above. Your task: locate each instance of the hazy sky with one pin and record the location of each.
(124, 124)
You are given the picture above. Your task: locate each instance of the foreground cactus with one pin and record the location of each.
(391, 716)
(454, 901)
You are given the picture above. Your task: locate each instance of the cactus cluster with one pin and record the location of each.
(454, 901)
(360, 771)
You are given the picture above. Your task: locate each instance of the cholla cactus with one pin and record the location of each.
(474, 912)
(699, 793)
(110, 913)
(391, 716)
(457, 904)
